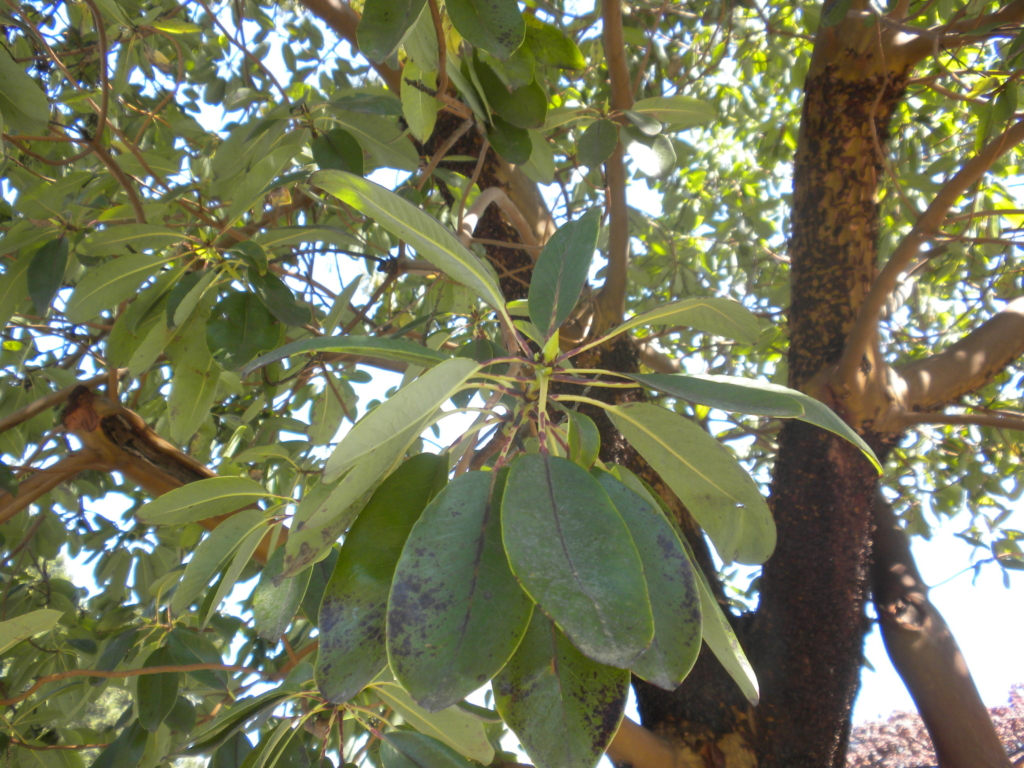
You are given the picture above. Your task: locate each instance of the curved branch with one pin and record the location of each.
(49, 401)
(967, 365)
(859, 341)
(996, 420)
(921, 43)
(926, 655)
(497, 196)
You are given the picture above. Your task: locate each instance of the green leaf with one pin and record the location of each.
(201, 500)
(372, 449)
(676, 112)
(704, 475)
(561, 532)
(523, 107)
(654, 155)
(646, 124)
(242, 558)
(419, 107)
(13, 631)
(551, 46)
(311, 235)
(329, 410)
(420, 230)
(352, 614)
(194, 383)
(338, 150)
(720, 317)
(540, 168)
(384, 24)
(408, 749)
(597, 143)
(456, 613)
(189, 646)
(732, 393)
(561, 271)
(182, 717)
(231, 722)
(275, 599)
(23, 104)
(563, 707)
(462, 732)
(511, 142)
(184, 297)
(13, 287)
(420, 42)
(239, 328)
(671, 584)
(46, 273)
(381, 138)
(157, 693)
(127, 749)
(212, 553)
(371, 100)
(278, 298)
(584, 439)
(109, 284)
(127, 238)
(232, 753)
(387, 348)
(494, 25)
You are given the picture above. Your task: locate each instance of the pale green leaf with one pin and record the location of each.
(107, 285)
(13, 631)
(201, 500)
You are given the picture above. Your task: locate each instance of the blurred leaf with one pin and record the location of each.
(46, 273)
(275, 599)
(509, 141)
(201, 500)
(597, 142)
(13, 631)
(338, 150)
(23, 104)
(383, 24)
(551, 46)
(239, 328)
(158, 692)
(494, 25)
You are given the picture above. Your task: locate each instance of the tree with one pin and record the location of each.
(185, 210)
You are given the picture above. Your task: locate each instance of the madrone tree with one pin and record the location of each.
(217, 219)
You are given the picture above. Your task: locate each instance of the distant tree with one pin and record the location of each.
(820, 302)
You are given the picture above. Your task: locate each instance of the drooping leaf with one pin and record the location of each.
(597, 142)
(560, 532)
(654, 155)
(494, 25)
(459, 730)
(13, 286)
(232, 753)
(380, 137)
(353, 611)
(420, 230)
(523, 107)
(239, 328)
(456, 613)
(511, 142)
(420, 108)
(109, 284)
(398, 349)
(183, 298)
(338, 150)
(716, 490)
(279, 299)
(584, 439)
(127, 749)
(561, 271)
(157, 692)
(384, 24)
(13, 631)
(408, 749)
(563, 707)
(551, 46)
(671, 584)
(721, 317)
(732, 393)
(46, 273)
(194, 384)
(275, 600)
(234, 719)
(23, 104)
(201, 500)
(676, 112)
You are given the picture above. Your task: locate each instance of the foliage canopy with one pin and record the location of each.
(224, 221)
